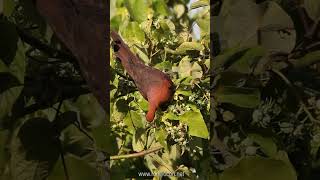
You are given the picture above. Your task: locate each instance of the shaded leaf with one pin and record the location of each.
(242, 97)
(267, 145)
(8, 41)
(252, 168)
(34, 151)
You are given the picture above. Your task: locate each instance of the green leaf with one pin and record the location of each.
(267, 145)
(276, 29)
(78, 169)
(76, 142)
(170, 116)
(308, 59)
(133, 34)
(7, 100)
(34, 151)
(137, 9)
(167, 25)
(196, 124)
(4, 135)
(186, 68)
(179, 10)
(133, 121)
(18, 65)
(103, 138)
(183, 92)
(161, 137)
(8, 41)
(242, 97)
(185, 47)
(228, 56)
(139, 140)
(248, 62)
(313, 8)
(200, 3)
(8, 7)
(164, 66)
(160, 7)
(253, 168)
(91, 112)
(238, 22)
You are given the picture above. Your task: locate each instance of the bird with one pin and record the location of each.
(154, 85)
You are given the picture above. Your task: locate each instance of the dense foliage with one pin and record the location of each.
(266, 89)
(160, 33)
(51, 127)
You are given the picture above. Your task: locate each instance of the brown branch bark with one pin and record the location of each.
(82, 26)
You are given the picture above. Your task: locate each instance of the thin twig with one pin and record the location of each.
(138, 154)
(286, 80)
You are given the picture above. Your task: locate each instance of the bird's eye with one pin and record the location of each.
(117, 41)
(116, 48)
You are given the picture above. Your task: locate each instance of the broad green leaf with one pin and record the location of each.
(199, 3)
(113, 8)
(133, 121)
(187, 69)
(170, 116)
(139, 140)
(160, 7)
(228, 56)
(161, 137)
(185, 47)
(7, 100)
(3, 153)
(34, 151)
(137, 9)
(133, 34)
(7, 7)
(196, 124)
(3, 67)
(242, 97)
(253, 168)
(183, 92)
(308, 59)
(157, 164)
(76, 142)
(239, 22)
(276, 29)
(167, 25)
(248, 62)
(91, 112)
(142, 55)
(18, 65)
(267, 145)
(164, 65)
(313, 8)
(78, 169)
(179, 10)
(8, 41)
(204, 24)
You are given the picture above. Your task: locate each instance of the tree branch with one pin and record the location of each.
(138, 154)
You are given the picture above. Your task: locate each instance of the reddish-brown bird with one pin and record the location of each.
(154, 85)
